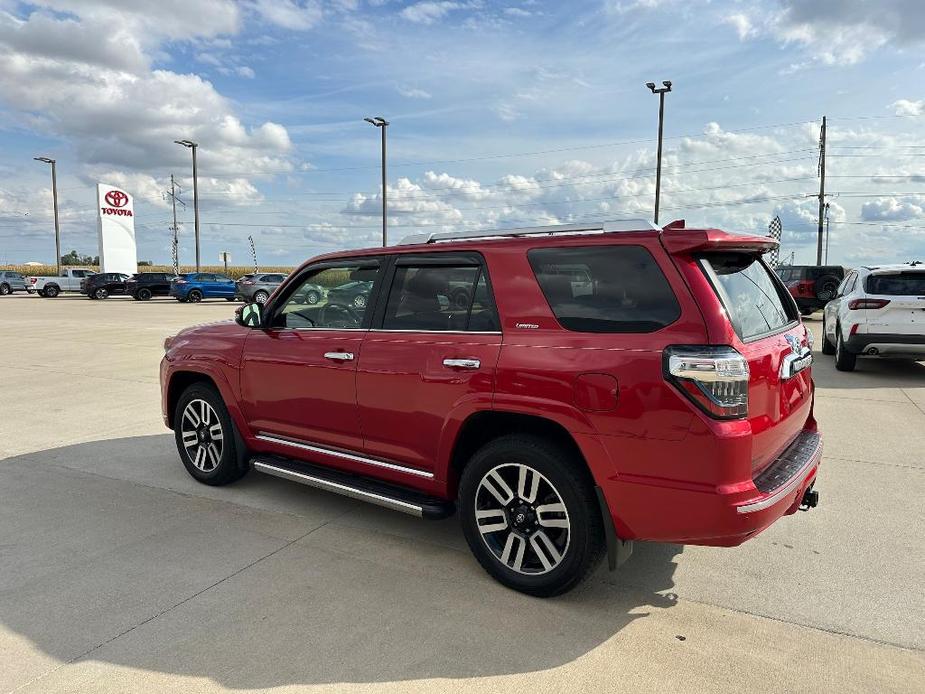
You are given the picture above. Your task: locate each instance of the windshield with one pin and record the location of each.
(897, 284)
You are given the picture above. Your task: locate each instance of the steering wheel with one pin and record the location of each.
(352, 316)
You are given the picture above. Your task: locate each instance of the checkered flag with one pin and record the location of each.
(774, 231)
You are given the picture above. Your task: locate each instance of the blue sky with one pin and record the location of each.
(502, 113)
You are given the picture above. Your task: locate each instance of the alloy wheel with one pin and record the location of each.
(359, 301)
(522, 519)
(202, 435)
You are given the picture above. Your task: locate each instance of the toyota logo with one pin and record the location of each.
(116, 198)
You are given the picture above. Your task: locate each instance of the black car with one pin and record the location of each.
(103, 284)
(811, 286)
(143, 285)
(352, 293)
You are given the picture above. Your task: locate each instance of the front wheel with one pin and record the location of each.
(261, 297)
(530, 515)
(143, 294)
(359, 301)
(4, 289)
(101, 293)
(205, 437)
(844, 360)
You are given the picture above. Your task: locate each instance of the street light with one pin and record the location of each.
(382, 123)
(54, 196)
(661, 118)
(192, 145)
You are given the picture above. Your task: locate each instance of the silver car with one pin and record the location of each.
(12, 282)
(258, 287)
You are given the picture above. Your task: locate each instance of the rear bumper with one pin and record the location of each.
(884, 343)
(719, 515)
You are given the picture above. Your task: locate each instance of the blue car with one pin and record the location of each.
(196, 286)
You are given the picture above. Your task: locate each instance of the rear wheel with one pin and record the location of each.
(143, 294)
(844, 360)
(101, 293)
(530, 515)
(51, 291)
(4, 289)
(312, 297)
(205, 437)
(194, 296)
(261, 297)
(827, 346)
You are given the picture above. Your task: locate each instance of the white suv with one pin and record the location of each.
(877, 311)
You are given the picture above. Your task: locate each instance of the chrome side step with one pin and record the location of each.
(362, 488)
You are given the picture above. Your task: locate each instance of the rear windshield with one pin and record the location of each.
(754, 301)
(899, 284)
(605, 289)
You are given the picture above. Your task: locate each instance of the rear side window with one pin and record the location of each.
(438, 298)
(605, 289)
(898, 284)
(753, 300)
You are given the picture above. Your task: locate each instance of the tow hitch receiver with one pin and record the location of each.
(810, 499)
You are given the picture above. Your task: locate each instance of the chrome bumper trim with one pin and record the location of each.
(788, 488)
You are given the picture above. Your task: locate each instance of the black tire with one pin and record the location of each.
(194, 296)
(41, 293)
(826, 287)
(181, 299)
(311, 297)
(827, 346)
(568, 481)
(101, 293)
(230, 298)
(229, 451)
(260, 297)
(807, 311)
(51, 291)
(5, 289)
(143, 294)
(90, 296)
(844, 360)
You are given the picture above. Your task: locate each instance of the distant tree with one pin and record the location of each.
(145, 263)
(75, 258)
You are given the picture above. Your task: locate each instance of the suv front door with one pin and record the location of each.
(430, 359)
(298, 375)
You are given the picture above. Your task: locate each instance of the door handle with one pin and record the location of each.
(462, 363)
(339, 356)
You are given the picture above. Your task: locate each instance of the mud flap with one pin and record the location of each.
(618, 551)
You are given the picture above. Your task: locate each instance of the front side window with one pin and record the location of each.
(440, 298)
(753, 301)
(342, 306)
(605, 289)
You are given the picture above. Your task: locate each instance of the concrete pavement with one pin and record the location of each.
(118, 573)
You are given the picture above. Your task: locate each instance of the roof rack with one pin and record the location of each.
(554, 230)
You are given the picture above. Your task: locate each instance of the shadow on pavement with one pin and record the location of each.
(102, 563)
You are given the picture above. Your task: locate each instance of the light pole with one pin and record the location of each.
(827, 233)
(54, 197)
(661, 91)
(382, 123)
(193, 145)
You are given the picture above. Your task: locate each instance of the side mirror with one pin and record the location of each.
(248, 315)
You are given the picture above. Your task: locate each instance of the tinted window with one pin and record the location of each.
(344, 311)
(429, 297)
(605, 289)
(898, 284)
(751, 297)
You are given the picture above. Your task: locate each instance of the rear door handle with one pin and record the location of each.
(339, 356)
(462, 363)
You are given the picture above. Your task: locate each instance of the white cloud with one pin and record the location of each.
(413, 93)
(431, 11)
(905, 107)
(290, 14)
(893, 209)
(742, 25)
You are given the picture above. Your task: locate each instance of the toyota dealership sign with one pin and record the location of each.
(117, 230)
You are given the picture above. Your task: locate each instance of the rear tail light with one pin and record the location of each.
(855, 304)
(248, 282)
(713, 378)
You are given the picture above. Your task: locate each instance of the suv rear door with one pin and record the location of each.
(430, 358)
(905, 292)
(765, 330)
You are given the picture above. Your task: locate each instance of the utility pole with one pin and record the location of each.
(54, 197)
(193, 146)
(253, 253)
(382, 124)
(174, 196)
(822, 204)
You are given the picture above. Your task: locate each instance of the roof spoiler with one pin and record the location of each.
(678, 240)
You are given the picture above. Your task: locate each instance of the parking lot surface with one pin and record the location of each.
(119, 573)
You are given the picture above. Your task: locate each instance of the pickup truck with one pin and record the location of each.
(68, 280)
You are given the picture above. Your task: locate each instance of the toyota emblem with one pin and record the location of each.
(116, 198)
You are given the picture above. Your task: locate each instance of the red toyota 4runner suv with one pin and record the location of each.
(595, 385)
